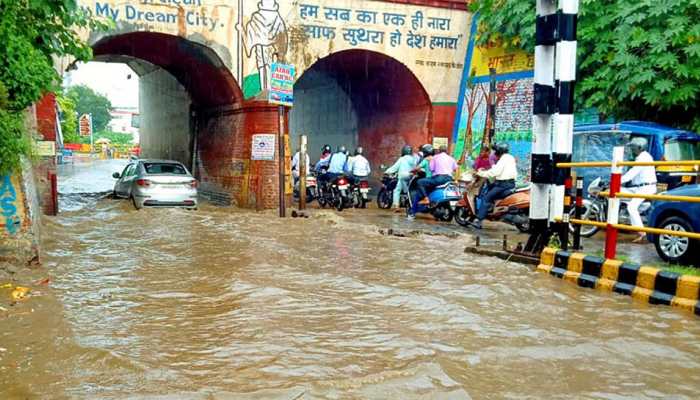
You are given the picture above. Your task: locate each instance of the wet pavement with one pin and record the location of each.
(223, 303)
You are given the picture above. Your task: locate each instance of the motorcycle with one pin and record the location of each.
(335, 193)
(386, 194)
(514, 209)
(595, 208)
(360, 193)
(443, 200)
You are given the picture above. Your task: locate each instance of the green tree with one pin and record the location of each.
(114, 137)
(32, 32)
(69, 119)
(87, 101)
(637, 59)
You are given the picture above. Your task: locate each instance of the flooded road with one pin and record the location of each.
(228, 304)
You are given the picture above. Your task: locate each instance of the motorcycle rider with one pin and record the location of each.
(442, 167)
(505, 172)
(324, 160)
(424, 172)
(358, 166)
(640, 180)
(336, 164)
(296, 165)
(402, 168)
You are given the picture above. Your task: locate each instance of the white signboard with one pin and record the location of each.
(263, 147)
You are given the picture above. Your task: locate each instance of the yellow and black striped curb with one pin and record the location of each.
(648, 284)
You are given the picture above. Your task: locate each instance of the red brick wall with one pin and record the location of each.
(383, 136)
(46, 116)
(224, 146)
(442, 122)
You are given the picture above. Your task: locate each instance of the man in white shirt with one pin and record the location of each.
(640, 180)
(296, 165)
(358, 166)
(505, 172)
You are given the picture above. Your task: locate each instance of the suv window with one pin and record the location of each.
(164, 168)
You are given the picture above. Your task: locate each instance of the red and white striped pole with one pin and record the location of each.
(614, 202)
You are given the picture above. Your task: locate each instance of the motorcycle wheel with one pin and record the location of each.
(523, 228)
(589, 214)
(363, 202)
(339, 203)
(442, 213)
(384, 199)
(462, 216)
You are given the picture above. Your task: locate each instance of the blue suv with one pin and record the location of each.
(677, 216)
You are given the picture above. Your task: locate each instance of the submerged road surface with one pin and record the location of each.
(222, 303)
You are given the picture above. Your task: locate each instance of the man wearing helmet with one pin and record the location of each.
(442, 166)
(641, 180)
(324, 160)
(358, 166)
(402, 168)
(505, 172)
(423, 172)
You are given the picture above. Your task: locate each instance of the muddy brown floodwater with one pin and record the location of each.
(229, 304)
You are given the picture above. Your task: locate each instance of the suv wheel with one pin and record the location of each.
(675, 249)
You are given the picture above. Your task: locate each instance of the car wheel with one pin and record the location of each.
(675, 249)
(133, 201)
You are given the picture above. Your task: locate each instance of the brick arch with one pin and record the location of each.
(390, 105)
(197, 67)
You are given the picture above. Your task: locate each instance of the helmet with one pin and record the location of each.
(359, 150)
(406, 150)
(427, 150)
(638, 143)
(342, 149)
(501, 148)
(326, 149)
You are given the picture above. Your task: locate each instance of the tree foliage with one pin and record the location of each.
(637, 59)
(69, 119)
(87, 101)
(32, 32)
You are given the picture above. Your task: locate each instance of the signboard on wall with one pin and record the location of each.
(439, 142)
(282, 84)
(85, 124)
(46, 148)
(263, 147)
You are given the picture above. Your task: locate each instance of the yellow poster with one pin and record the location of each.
(504, 61)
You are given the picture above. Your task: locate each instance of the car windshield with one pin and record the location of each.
(164, 168)
(677, 150)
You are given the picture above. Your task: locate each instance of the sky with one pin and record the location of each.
(109, 79)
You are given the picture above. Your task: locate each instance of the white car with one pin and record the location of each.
(156, 183)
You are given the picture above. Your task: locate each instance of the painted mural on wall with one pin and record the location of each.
(250, 35)
(9, 207)
(514, 98)
(514, 94)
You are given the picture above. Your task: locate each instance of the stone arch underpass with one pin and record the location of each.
(379, 74)
(361, 98)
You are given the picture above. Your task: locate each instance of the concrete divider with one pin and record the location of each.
(647, 284)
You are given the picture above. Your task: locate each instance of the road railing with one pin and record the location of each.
(614, 194)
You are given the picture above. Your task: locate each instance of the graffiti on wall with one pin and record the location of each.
(249, 36)
(8, 205)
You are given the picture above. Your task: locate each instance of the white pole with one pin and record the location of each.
(543, 108)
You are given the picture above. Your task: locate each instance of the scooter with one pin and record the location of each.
(311, 192)
(386, 194)
(595, 208)
(443, 201)
(514, 209)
